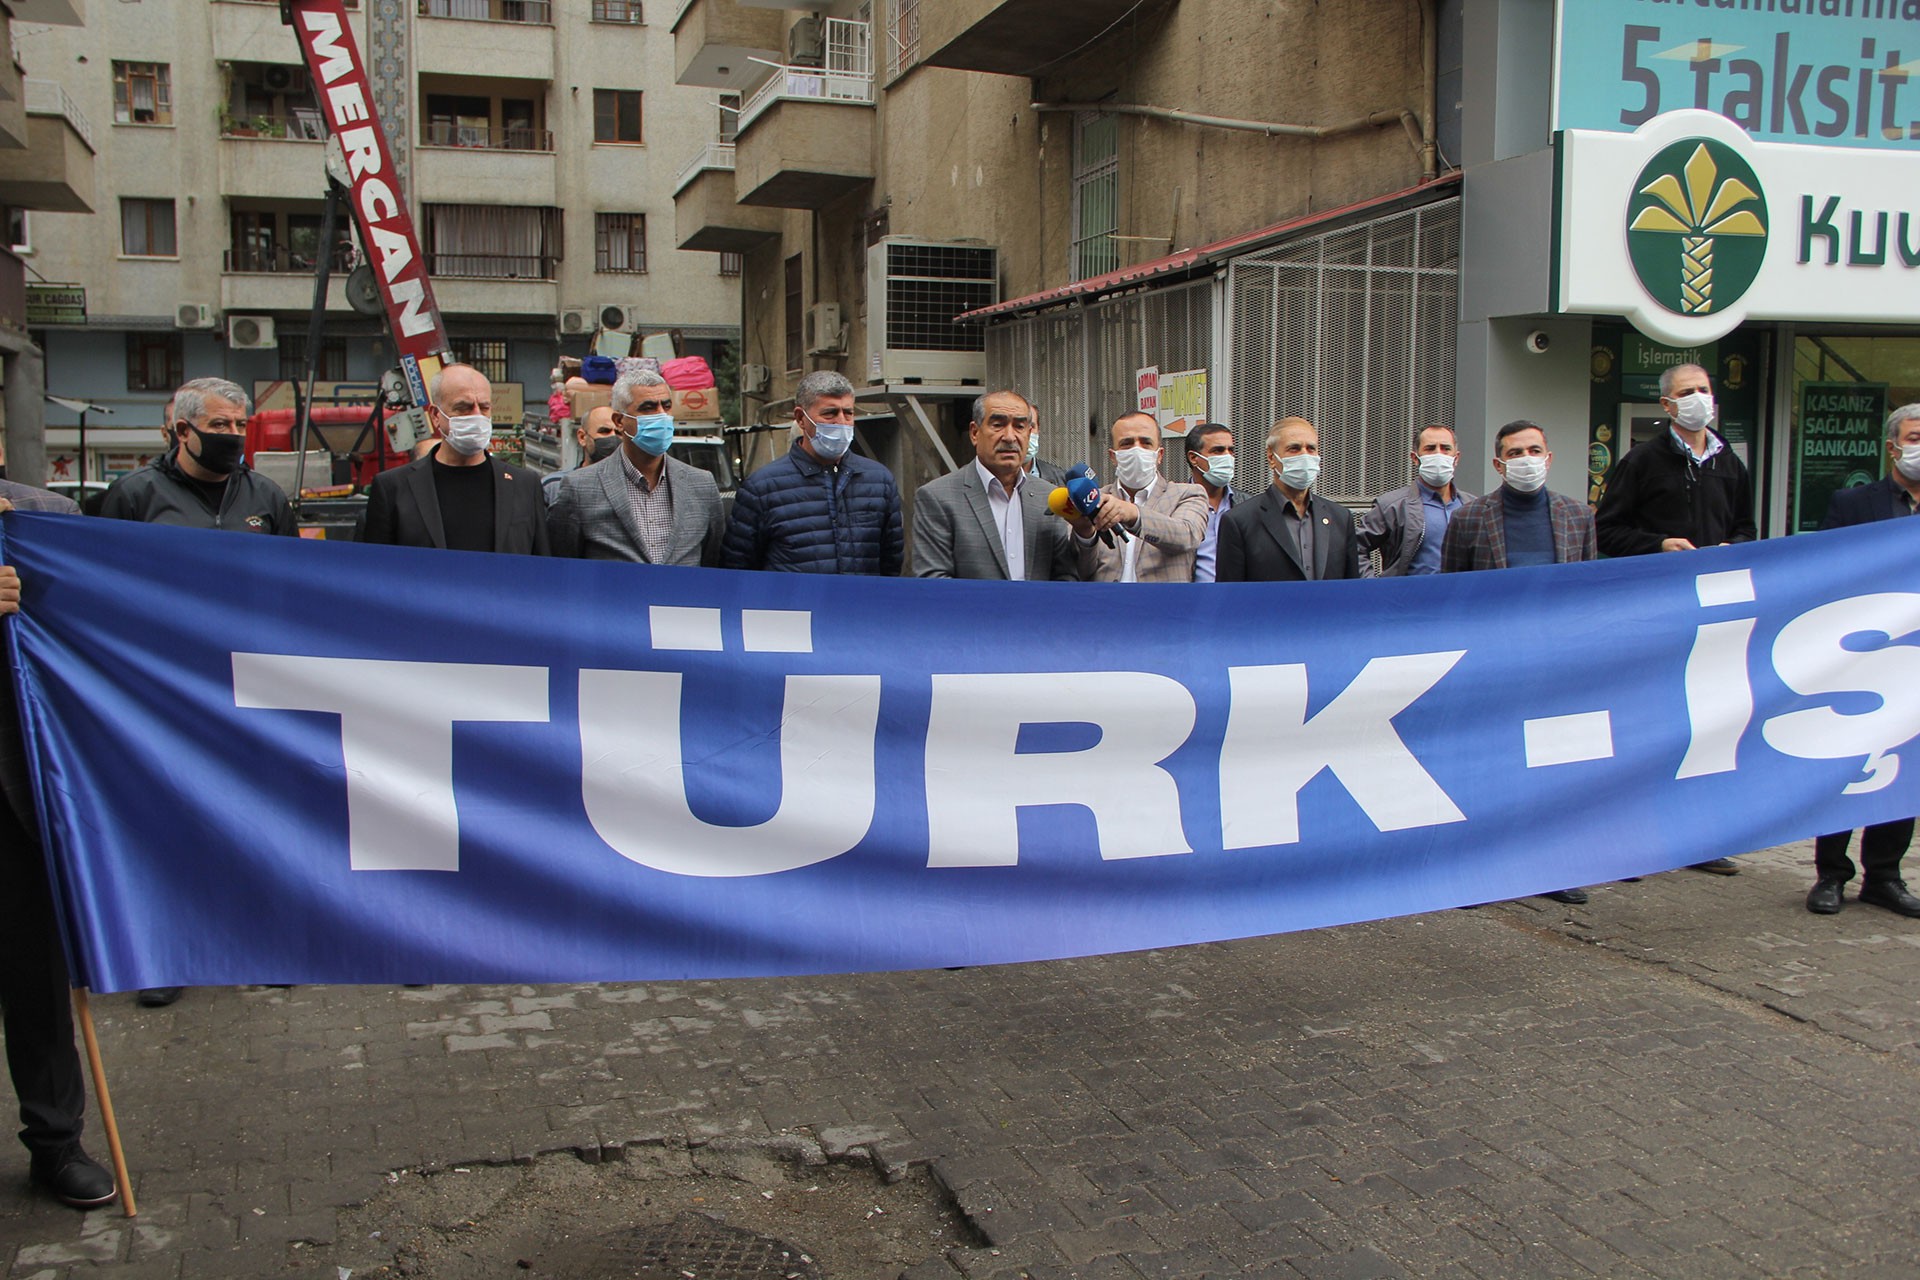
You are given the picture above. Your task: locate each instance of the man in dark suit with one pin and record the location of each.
(458, 497)
(34, 996)
(1289, 533)
(1883, 844)
(989, 519)
(1520, 523)
(642, 503)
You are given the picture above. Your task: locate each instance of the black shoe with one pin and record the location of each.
(158, 997)
(1572, 897)
(1891, 894)
(74, 1178)
(1825, 897)
(1718, 867)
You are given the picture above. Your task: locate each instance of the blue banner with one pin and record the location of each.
(271, 760)
(1830, 73)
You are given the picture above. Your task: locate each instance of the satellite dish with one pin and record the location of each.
(363, 291)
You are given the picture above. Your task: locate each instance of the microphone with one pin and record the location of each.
(1084, 488)
(1061, 503)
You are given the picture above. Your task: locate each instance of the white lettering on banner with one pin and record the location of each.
(1719, 691)
(1812, 657)
(977, 780)
(633, 775)
(1272, 749)
(396, 740)
(325, 31)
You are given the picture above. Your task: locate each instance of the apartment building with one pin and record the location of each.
(47, 151)
(932, 198)
(537, 141)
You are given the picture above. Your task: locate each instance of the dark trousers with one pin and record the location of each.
(34, 997)
(1881, 848)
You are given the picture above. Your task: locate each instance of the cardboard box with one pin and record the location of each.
(699, 405)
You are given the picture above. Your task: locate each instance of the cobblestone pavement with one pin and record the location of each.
(1691, 1077)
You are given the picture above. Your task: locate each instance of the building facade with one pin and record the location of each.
(536, 141)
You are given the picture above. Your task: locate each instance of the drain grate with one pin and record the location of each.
(692, 1245)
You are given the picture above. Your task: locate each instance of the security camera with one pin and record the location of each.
(1538, 342)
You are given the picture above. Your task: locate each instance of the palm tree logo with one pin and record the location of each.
(1705, 193)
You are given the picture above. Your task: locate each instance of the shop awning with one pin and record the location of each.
(1188, 261)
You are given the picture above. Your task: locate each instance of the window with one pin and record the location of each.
(796, 339)
(730, 264)
(19, 233)
(617, 11)
(488, 355)
(154, 362)
(141, 94)
(620, 242)
(146, 229)
(491, 242)
(729, 116)
(1096, 195)
(616, 115)
(293, 358)
(903, 36)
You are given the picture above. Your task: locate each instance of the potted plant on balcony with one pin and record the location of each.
(232, 127)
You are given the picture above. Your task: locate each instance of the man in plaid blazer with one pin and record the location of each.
(1166, 521)
(1482, 534)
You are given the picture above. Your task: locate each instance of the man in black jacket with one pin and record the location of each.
(1681, 490)
(1883, 844)
(458, 497)
(1289, 533)
(34, 999)
(203, 481)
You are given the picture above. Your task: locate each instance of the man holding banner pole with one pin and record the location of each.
(1883, 844)
(34, 999)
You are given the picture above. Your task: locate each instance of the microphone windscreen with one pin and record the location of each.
(1060, 502)
(1081, 471)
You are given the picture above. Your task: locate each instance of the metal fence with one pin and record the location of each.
(1353, 330)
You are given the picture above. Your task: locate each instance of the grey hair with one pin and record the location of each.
(623, 390)
(980, 402)
(433, 383)
(190, 401)
(820, 384)
(1899, 417)
(1668, 374)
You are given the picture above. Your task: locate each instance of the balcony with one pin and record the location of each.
(55, 170)
(444, 133)
(707, 215)
(526, 12)
(13, 107)
(1012, 37)
(278, 292)
(497, 297)
(806, 134)
(720, 44)
(494, 33)
(446, 174)
(303, 124)
(270, 157)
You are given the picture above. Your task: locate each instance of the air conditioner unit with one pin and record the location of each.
(250, 333)
(824, 333)
(576, 322)
(614, 315)
(283, 79)
(755, 379)
(915, 289)
(193, 315)
(807, 42)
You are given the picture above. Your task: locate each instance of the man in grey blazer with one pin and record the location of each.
(966, 523)
(639, 503)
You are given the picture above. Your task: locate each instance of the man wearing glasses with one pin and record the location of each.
(822, 508)
(989, 519)
(639, 503)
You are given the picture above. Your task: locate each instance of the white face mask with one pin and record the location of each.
(470, 433)
(1217, 468)
(1908, 463)
(1694, 412)
(1033, 446)
(1436, 469)
(1299, 471)
(1526, 473)
(1136, 468)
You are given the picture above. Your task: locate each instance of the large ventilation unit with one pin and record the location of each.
(915, 288)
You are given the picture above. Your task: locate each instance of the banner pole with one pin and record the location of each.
(120, 1178)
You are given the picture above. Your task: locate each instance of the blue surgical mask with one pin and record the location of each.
(1219, 470)
(831, 440)
(653, 433)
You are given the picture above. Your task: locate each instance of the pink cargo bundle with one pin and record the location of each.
(688, 373)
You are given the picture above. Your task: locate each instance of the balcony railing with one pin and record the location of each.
(845, 76)
(536, 12)
(50, 98)
(304, 124)
(278, 261)
(491, 266)
(715, 155)
(444, 133)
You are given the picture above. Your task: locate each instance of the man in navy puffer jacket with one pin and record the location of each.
(822, 508)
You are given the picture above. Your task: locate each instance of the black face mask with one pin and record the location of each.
(603, 447)
(219, 452)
